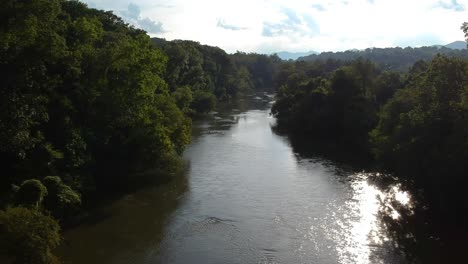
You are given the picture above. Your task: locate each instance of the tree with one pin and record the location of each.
(338, 106)
(31, 193)
(61, 200)
(464, 27)
(28, 236)
(84, 72)
(422, 132)
(203, 102)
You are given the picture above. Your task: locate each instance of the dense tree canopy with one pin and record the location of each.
(213, 75)
(423, 129)
(28, 236)
(82, 91)
(393, 59)
(339, 105)
(87, 97)
(414, 125)
(464, 27)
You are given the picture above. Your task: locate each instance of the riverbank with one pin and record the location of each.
(251, 197)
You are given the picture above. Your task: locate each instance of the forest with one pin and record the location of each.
(412, 124)
(89, 104)
(390, 59)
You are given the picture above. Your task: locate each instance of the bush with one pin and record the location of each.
(61, 200)
(31, 193)
(203, 102)
(28, 236)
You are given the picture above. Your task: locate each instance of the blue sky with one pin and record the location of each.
(267, 26)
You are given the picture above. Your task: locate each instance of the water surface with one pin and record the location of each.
(247, 197)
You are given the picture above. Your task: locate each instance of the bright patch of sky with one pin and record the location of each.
(268, 26)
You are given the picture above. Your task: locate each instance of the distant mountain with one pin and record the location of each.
(456, 45)
(286, 55)
(396, 59)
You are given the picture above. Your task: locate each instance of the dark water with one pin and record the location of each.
(247, 197)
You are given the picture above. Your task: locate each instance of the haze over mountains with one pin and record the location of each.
(285, 55)
(393, 59)
(456, 45)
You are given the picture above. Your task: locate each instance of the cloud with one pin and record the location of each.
(151, 26)
(452, 5)
(311, 23)
(296, 25)
(133, 16)
(272, 30)
(293, 24)
(223, 24)
(133, 11)
(293, 19)
(319, 7)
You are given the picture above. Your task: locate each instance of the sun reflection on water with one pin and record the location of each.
(361, 234)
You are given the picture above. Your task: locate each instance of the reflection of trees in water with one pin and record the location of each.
(126, 229)
(423, 234)
(309, 147)
(409, 226)
(229, 113)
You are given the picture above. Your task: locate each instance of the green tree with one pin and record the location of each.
(183, 97)
(339, 107)
(61, 200)
(86, 73)
(203, 101)
(28, 236)
(422, 132)
(464, 27)
(31, 193)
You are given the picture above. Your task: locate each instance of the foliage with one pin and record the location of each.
(31, 193)
(210, 69)
(262, 69)
(414, 125)
(61, 200)
(28, 236)
(211, 73)
(183, 97)
(389, 59)
(203, 102)
(464, 27)
(339, 106)
(423, 130)
(84, 72)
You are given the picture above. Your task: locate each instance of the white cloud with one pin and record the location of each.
(296, 25)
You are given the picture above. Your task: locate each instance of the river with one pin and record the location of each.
(247, 196)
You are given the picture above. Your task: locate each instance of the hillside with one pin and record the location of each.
(286, 55)
(397, 59)
(456, 45)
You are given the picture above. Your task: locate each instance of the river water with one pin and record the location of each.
(248, 196)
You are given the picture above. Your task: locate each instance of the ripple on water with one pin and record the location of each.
(199, 239)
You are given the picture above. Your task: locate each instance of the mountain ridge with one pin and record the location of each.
(459, 44)
(287, 55)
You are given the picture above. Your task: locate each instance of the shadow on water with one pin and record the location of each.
(340, 156)
(297, 201)
(125, 230)
(425, 234)
(420, 233)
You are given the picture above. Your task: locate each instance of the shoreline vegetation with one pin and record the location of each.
(413, 125)
(90, 105)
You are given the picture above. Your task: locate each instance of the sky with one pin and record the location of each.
(268, 26)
